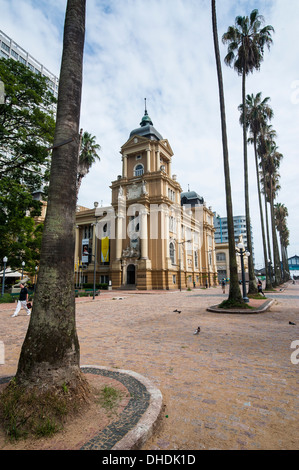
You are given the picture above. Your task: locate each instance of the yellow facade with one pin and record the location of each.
(147, 239)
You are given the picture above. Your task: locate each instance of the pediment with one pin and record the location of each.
(134, 140)
(166, 145)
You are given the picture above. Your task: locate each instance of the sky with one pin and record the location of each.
(163, 51)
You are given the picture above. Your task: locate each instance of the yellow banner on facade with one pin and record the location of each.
(105, 250)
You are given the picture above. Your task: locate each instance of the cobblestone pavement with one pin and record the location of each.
(232, 386)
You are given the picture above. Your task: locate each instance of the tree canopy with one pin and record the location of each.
(26, 132)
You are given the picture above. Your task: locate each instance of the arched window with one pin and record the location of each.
(172, 252)
(139, 170)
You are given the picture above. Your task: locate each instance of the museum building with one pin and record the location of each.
(153, 236)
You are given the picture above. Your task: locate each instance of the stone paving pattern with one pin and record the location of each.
(233, 386)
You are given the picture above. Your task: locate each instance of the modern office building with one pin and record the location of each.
(221, 232)
(11, 50)
(221, 242)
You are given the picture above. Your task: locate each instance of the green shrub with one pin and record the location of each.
(6, 299)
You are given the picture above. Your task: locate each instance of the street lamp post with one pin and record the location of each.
(181, 243)
(243, 253)
(23, 264)
(3, 277)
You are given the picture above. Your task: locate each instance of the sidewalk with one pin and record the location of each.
(233, 386)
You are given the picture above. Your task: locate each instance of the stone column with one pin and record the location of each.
(120, 224)
(119, 235)
(125, 166)
(144, 235)
(148, 160)
(158, 160)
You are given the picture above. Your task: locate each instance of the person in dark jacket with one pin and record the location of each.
(22, 302)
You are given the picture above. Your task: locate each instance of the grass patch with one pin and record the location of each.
(256, 296)
(231, 304)
(109, 398)
(26, 413)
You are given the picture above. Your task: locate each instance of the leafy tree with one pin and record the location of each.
(26, 131)
(246, 42)
(87, 156)
(20, 235)
(26, 124)
(234, 289)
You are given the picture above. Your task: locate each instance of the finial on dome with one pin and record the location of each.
(146, 119)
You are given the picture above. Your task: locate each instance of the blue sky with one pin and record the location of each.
(163, 50)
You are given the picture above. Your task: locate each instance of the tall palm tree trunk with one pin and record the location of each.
(50, 352)
(252, 282)
(274, 240)
(268, 279)
(234, 288)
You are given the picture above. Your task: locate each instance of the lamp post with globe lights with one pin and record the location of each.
(242, 252)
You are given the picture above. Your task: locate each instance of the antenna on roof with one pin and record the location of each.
(188, 188)
(145, 110)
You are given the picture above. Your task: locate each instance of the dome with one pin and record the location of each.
(147, 129)
(192, 198)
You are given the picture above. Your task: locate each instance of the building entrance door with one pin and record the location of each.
(131, 274)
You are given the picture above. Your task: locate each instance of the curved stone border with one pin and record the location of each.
(137, 421)
(248, 311)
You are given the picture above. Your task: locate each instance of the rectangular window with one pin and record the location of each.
(14, 54)
(174, 279)
(5, 47)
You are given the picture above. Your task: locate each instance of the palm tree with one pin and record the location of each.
(267, 134)
(87, 156)
(234, 288)
(281, 214)
(271, 185)
(258, 112)
(246, 41)
(50, 354)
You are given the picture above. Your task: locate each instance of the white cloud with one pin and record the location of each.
(163, 50)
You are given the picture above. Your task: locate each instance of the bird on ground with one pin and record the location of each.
(179, 311)
(197, 330)
(291, 323)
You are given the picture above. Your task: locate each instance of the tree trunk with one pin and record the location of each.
(252, 282)
(50, 353)
(274, 241)
(268, 279)
(234, 288)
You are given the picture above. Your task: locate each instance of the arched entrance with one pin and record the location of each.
(131, 274)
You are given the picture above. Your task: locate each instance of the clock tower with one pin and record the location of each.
(142, 198)
(153, 236)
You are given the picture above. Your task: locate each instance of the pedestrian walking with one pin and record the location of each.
(223, 286)
(22, 302)
(260, 287)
